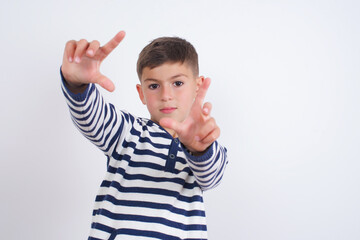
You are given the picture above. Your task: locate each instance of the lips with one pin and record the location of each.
(167, 110)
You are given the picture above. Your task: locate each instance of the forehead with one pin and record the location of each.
(167, 71)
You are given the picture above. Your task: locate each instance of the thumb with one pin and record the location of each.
(106, 83)
(171, 124)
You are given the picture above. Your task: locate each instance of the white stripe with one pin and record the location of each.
(161, 199)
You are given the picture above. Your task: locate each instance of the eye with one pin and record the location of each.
(153, 86)
(178, 83)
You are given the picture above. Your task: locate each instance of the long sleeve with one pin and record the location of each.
(208, 168)
(97, 120)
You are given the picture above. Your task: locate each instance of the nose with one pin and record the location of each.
(166, 93)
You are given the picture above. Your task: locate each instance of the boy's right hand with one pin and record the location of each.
(82, 60)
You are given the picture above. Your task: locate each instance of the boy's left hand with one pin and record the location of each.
(199, 130)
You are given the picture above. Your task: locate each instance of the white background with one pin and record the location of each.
(285, 92)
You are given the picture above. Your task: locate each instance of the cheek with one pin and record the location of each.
(188, 96)
(192, 94)
(149, 98)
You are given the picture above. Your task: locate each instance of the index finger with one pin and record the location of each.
(202, 91)
(113, 43)
(70, 50)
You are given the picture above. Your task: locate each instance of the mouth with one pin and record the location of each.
(168, 110)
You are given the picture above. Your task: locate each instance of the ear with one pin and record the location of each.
(199, 82)
(141, 94)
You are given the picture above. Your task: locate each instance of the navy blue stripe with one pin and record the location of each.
(81, 126)
(86, 118)
(156, 191)
(92, 238)
(126, 115)
(68, 96)
(80, 112)
(89, 123)
(146, 151)
(102, 227)
(150, 165)
(91, 137)
(127, 144)
(156, 145)
(144, 177)
(205, 183)
(160, 134)
(213, 162)
(210, 167)
(134, 232)
(102, 127)
(110, 132)
(131, 118)
(152, 205)
(215, 177)
(158, 220)
(142, 233)
(131, 163)
(181, 160)
(202, 164)
(198, 159)
(218, 180)
(135, 132)
(115, 137)
(89, 109)
(220, 172)
(150, 153)
(100, 130)
(112, 114)
(118, 133)
(145, 140)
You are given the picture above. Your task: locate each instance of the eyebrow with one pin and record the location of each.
(173, 77)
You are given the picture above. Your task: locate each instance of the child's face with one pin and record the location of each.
(168, 90)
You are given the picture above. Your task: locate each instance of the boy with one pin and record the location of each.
(157, 168)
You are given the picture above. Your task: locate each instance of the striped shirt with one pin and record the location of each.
(153, 187)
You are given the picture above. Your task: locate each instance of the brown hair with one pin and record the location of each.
(167, 49)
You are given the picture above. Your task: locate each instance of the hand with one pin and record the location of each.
(198, 131)
(82, 60)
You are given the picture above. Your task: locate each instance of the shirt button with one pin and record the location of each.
(172, 156)
(176, 140)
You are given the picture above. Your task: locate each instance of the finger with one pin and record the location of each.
(70, 50)
(106, 83)
(207, 109)
(113, 43)
(202, 91)
(205, 129)
(212, 136)
(171, 124)
(93, 47)
(81, 47)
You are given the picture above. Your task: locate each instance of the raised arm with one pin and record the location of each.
(96, 119)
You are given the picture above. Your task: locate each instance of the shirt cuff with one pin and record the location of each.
(76, 96)
(202, 158)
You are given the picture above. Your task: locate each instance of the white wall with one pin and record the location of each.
(285, 91)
